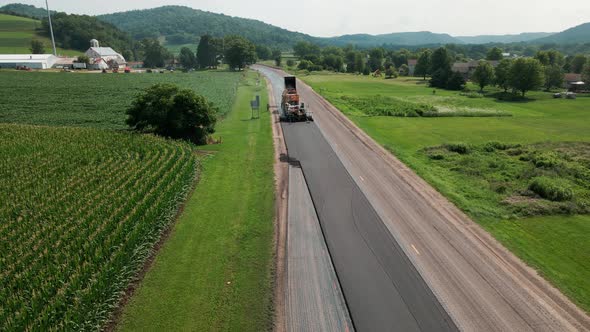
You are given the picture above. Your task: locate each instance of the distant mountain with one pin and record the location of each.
(179, 25)
(25, 10)
(575, 35)
(506, 39)
(400, 38)
(184, 25)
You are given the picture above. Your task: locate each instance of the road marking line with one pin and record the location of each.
(362, 178)
(416, 250)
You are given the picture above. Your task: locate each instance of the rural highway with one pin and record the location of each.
(406, 258)
(383, 290)
(314, 298)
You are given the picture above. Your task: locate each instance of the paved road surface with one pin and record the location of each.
(314, 298)
(383, 290)
(478, 282)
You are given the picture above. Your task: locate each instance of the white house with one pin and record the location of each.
(34, 61)
(104, 57)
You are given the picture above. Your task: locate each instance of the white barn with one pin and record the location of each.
(34, 61)
(103, 57)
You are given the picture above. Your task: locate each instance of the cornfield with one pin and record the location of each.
(97, 100)
(81, 210)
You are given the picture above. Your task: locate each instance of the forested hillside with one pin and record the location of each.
(20, 9)
(184, 25)
(76, 31)
(579, 34)
(401, 38)
(486, 39)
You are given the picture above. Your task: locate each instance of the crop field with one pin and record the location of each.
(82, 209)
(521, 169)
(96, 100)
(17, 32)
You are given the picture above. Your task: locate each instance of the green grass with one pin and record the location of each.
(81, 210)
(96, 100)
(17, 32)
(468, 181)
(213, 273)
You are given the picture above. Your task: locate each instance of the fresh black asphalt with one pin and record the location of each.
(383, 290)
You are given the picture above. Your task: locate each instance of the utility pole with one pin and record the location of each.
(51, 28)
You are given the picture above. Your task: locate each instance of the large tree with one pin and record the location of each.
(483, 74)
(526, 74)
(187, 58)
(423, 64)
(239, 52)
(586, 74)
(305, 49)
(456, 81)
(440, 60)
(277, 56)
(37, 47)
(502, 77)
(376, 59)
(334, 62)
(390, 72)
(263, 52)
(354, 61)
(209, 51)
(578, 63)
(155, 55)
(173, 112)
(440, 67)
(550, 58)
(494, 54)
(554, 77)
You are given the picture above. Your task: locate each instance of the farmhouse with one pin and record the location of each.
(573, 81)
(104, 57)
(467, 68)
(34, 61)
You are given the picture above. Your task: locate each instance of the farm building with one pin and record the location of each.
(467, 68)
(34, 61)
(573, 82)
(104, 57)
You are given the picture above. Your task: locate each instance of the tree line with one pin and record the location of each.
(235, 51)
(546, 68)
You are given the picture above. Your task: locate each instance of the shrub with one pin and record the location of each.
(290, 63)
(436, 156)
(456, 81)
(315, 67)
(459, 148)
(551, 189)
(545, 160)
(304, 65)
(171, 112)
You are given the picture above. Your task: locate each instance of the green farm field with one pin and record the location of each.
(17, 32)
(88, 201)
(82, 209)
(96, 100)
(520, 169)
(214, 271)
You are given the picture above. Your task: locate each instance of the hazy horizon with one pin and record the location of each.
(327, 19)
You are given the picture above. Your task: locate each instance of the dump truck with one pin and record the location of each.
(292, 109)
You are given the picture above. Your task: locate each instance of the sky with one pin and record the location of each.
(326, 18)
